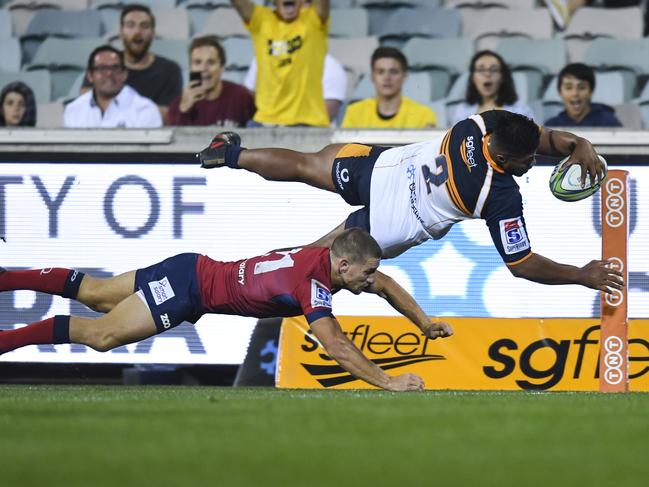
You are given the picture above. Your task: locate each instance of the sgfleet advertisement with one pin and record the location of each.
(105, 219)
(559, 354)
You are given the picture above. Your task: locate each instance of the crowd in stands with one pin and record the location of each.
(283, 64)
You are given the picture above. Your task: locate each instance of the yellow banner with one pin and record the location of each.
(483, 353)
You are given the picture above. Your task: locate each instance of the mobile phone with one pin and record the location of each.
(195, 77)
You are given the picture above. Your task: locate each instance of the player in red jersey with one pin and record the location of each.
(141, 303)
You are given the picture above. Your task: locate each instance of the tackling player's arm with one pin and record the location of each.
(244, 8)
(387, 288)
(595, 274)
(342, 350)
(582, 152)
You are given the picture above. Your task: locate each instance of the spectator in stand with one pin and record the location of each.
(389, 108)
(211, 100)
(111, 103)
(152, 76)
(290, 45)
(575, 84)
(17, 106)
(490, 87)
(334, 84)
(563, 10)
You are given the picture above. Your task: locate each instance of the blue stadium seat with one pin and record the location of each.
(6, 24)
(403, 23)
(349, 22)
(224, 22)
(59, 23)
(589, 23)
(38, 81)
(11, 58)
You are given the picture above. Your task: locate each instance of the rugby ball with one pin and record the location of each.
(565, 184)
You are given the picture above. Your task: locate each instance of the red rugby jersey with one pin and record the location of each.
(279, 283)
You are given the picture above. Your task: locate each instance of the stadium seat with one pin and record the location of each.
(450, 55)
(348, 22)
(224, 22)
(75, 89)
(342, 3)
(11, 55)
(6, 24)
(175, 49)
(485, 4)
(549, 57)
(59, 23)
(200, 10)
(439, 107)
(38, 81)
(354, 53)
(234, 75)
(606, 53)
(589, 23)
(64, 59)
(22, 11)
(49, 115)
(403, 23)
(486, 28)
(239, 52)
(630, 115)
(396, 3)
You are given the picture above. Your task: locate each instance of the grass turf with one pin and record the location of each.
(159, 436)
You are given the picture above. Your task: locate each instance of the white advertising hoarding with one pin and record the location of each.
(105, 219)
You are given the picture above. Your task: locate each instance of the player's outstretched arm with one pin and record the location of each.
(595, 275)
(404, 303)
(342, 350)
(244, 8)
(322, 9)
(559, 143)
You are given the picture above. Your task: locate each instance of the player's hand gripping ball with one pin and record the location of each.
(565, 181)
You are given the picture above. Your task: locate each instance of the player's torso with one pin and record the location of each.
(273, 284)
(419, 191)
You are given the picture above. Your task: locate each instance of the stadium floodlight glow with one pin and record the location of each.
(614, 341)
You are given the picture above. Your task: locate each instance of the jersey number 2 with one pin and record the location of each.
(439, 174)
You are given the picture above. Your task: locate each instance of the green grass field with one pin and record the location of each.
(190, 436)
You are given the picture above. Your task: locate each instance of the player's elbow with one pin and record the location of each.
(517, 271)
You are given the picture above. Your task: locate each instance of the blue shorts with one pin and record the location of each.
(171, 290)
(351, 174)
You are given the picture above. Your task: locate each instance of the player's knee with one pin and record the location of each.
(104, 341)
(92, 294)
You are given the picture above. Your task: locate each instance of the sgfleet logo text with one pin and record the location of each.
(388, 351)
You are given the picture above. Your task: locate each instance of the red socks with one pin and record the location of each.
(50, 331)
(62, 282)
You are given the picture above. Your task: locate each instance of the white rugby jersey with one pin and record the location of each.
(419, 191)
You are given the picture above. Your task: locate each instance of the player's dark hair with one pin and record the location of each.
(356, 245)
(579, 71)
(105, 47)
(136, 7)
(506, 93)
(211, 41)
(515, 134)
(389, 52)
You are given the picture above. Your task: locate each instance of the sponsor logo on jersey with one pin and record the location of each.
(166, 322)
(467, 149)
(342, 176)
(242, 273)
(320, 295)
(413, 193)
(513, 236)
(161, 290)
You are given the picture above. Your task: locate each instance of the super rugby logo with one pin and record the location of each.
(513, 236)
(396, 351)
(320, 295)
(467, 149)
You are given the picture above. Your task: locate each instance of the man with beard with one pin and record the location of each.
(110, 103)
(290, 45)
(153, 76)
